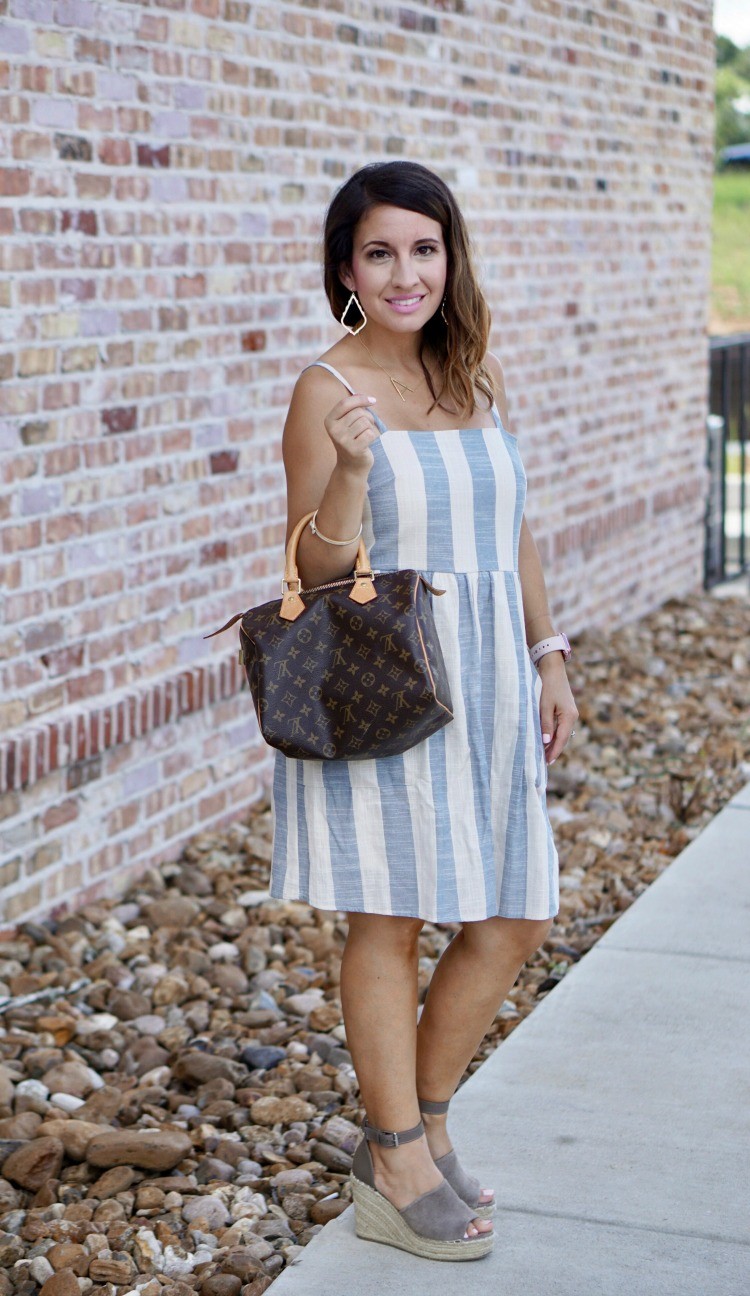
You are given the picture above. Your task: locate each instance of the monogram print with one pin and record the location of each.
(344, 680)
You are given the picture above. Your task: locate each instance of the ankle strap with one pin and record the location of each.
(433, 1108)
(391, 1138)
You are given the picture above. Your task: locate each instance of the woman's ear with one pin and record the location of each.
(346, 277)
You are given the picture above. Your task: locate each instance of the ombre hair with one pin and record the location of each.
(460, 345)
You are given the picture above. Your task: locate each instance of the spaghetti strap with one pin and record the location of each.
(330, 369)
(322, 363)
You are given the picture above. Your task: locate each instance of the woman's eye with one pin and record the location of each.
(426, 247)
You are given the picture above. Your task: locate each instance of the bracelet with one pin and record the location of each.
(327, 539)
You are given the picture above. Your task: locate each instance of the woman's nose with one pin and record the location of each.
(404, 274)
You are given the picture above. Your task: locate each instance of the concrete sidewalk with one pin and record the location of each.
(614, 1122)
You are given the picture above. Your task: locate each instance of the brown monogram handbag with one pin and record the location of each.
(345, 670)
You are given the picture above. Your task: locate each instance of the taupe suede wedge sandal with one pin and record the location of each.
(467, 1186)
(433, 1225)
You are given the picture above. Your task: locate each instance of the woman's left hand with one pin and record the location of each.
(557, 709)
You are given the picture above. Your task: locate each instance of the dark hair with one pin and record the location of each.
(461, 344)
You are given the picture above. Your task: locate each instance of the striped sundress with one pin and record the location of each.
(455, 829)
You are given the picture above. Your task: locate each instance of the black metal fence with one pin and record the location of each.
(727, 551)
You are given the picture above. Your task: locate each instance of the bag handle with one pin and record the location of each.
(292, 605)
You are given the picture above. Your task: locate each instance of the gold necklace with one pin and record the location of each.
(394, 381)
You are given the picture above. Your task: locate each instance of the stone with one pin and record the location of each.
(63, 1283)
(160, 1149)
(210, 1210)
(179, 911)
(112, 1267)
(271, 1111)
(126, 1005)
(229, 977)
(40, 1269)
(291, 1181)
(325, 1016)
(148, 1197)
(69, 1255)
(11, 1251)
(333, 1158)
(66, 1102)
(341, 1133)
(24, 1126)
(210, 1169)
(223, 950)
(243, 1263)
(75, 1135)
(32, 1165)
(198, 1068)
(299, 1005)
(263, 1057)
(112, 1182)
(149, 1024)
(221, 1284)
(31, 1095)
(103, 1105)
(95, 1024)
(6, 1087)
(327, 1209)
(72, 1078)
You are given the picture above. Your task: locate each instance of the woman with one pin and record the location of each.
(400, 433)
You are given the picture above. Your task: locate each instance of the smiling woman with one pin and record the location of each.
(395, 436)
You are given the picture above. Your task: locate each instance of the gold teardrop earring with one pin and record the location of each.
(442, 310)
(355, 300)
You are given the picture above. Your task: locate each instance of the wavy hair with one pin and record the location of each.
(460, 345)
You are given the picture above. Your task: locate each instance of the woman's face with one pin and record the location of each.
(399, 268)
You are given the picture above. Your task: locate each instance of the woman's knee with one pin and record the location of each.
(519, 936)
(386, 931)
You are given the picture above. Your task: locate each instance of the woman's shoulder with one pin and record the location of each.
(316, 391)
(495, 370)
(323, 373)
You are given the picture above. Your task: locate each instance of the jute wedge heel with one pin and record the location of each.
(432, 1226)
(467, 1186)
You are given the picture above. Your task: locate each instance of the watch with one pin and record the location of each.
(557, 642)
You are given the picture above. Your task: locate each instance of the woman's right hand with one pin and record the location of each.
(352, 429)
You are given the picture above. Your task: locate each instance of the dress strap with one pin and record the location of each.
(349, 387)
(330, 369)
(498, 420)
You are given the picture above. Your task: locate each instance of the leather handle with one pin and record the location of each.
(292, 605)
(291, 573)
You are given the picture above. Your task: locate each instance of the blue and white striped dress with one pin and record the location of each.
(455, 829)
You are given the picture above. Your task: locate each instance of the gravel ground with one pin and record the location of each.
(178, 1109)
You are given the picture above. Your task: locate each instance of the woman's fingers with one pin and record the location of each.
(559, 733)
(352, 428)
(349, 403)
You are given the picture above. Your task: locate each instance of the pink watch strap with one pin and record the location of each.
(558, 642)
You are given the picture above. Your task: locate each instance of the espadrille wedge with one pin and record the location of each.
(467, 1186)
(433, 1225)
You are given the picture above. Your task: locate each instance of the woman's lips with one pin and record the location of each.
(405, 305)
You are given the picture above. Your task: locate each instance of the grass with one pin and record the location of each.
(730, 272)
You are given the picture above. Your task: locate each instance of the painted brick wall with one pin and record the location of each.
(164, 168)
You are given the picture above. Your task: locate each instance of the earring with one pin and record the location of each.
(354, 331)
(442, 311)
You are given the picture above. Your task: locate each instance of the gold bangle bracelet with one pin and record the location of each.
(327, 539)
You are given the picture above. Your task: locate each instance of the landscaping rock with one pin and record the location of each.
(35, 1163)
(160, 1149)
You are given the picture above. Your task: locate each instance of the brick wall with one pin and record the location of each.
(165, 168)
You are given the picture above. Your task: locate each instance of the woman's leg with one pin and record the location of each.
(379, 999)
(472, 977)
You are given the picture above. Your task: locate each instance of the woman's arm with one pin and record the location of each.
(326, 473)
(558, 711)
(536, 611)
